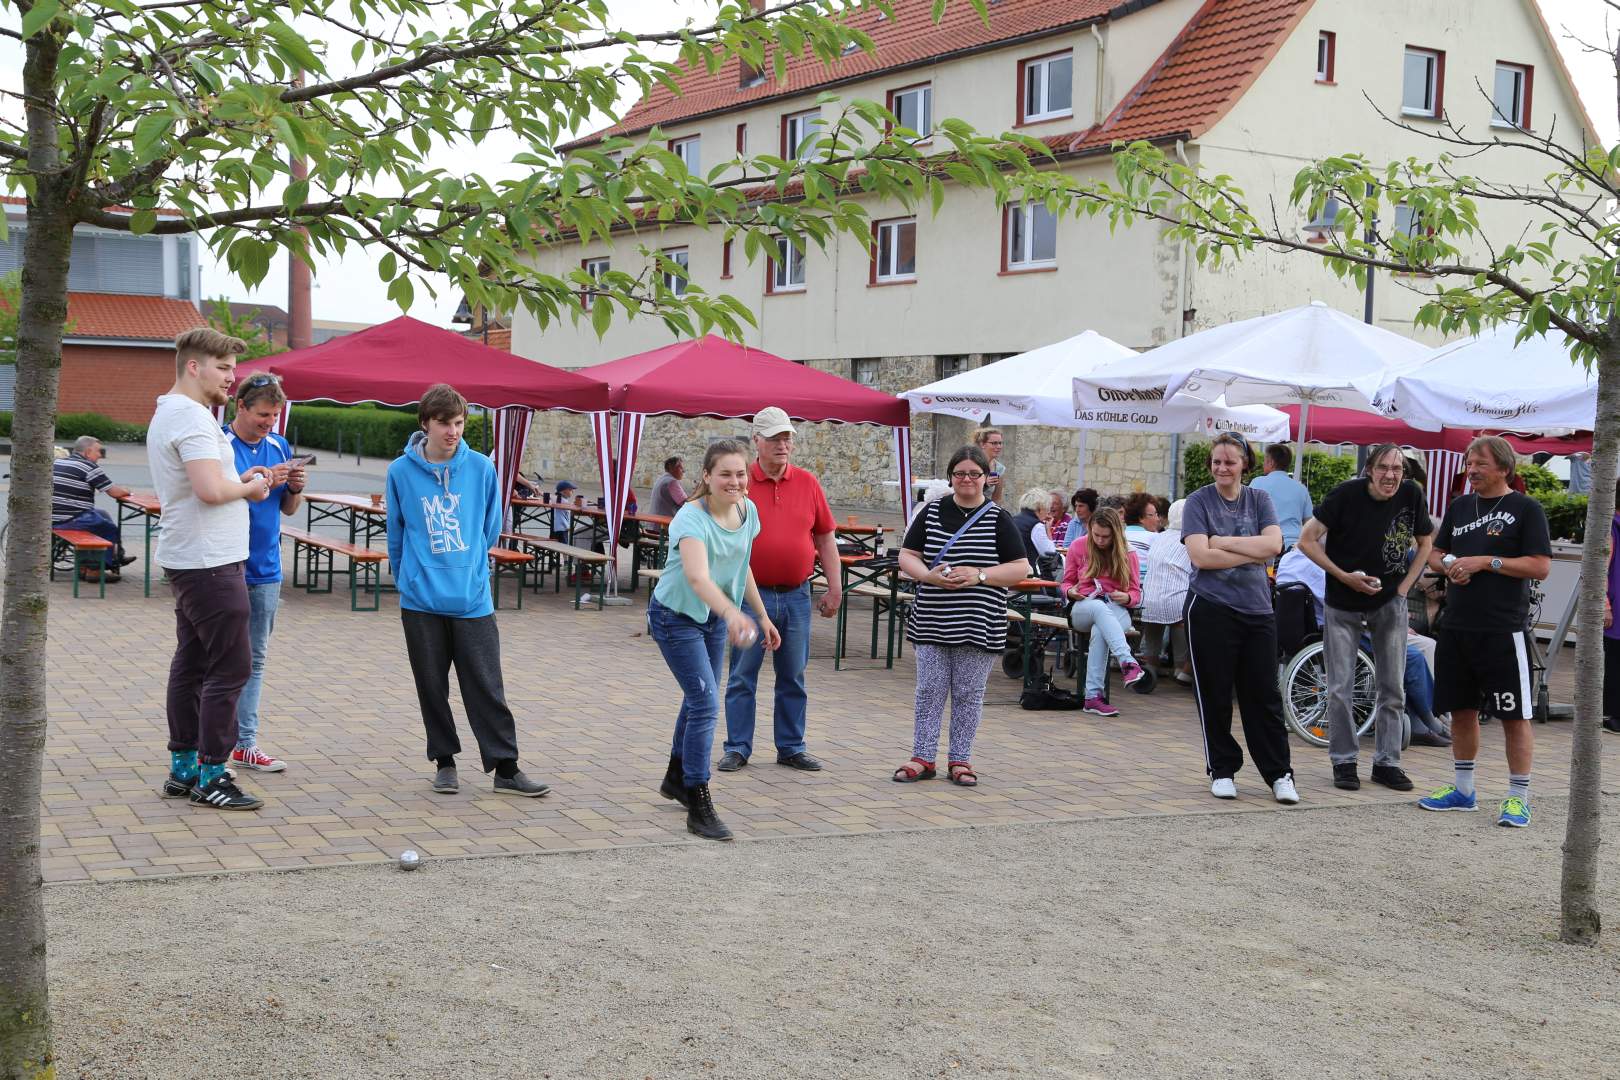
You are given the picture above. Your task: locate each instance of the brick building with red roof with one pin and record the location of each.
(1252, 89)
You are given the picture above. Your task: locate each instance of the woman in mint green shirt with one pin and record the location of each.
(695, 609)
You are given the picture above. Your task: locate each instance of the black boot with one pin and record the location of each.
(700, 816)
(673, 786)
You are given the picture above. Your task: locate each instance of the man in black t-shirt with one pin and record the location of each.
(1492, 544)
(1363, 536)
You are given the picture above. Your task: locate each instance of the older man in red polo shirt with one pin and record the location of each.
(795, 529)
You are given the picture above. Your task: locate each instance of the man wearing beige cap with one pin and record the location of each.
(795, 529)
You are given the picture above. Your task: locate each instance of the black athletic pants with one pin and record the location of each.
(433, 643)
(1234, 651)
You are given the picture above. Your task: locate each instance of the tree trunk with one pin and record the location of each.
(25, 1023)
(1579, 922)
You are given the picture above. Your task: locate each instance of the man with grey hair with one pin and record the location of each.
(796, 529)
(75, 479)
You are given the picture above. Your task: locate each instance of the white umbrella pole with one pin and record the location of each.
(1299, 443)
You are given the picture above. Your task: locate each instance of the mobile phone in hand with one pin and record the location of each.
(300, 461)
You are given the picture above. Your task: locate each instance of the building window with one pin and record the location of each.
(946, 366)
(913, 109)
(742, 138)
(748, 75)
(1320, 227)
(1031, 232)
(784, 272)
(674, 269)
(1510, 103)
(1326, 45)
(1046, 88)
(799, 134)
(594, 268)
(866, 370)
(725, 260)
(1423, 83)
(894, 251)
(687, 151)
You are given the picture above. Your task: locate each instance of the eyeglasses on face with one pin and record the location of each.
(960, 475)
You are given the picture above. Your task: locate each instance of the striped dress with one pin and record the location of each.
(975, 616)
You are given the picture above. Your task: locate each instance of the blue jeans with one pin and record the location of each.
(1107, 622)
(790, 611)
(694, 652)
(98, 523)
(263, 600)
(1419, 686)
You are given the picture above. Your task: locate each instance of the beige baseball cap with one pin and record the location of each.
(770, 422)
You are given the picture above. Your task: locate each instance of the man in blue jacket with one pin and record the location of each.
(444, 514)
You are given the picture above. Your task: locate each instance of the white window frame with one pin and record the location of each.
(787, 258)
(595, 266)
(1024, 259)
(1043, 65)
(888, 245)
(1432, 88)
(690, 151)
(1518, 121)
(808, 125)
(1326, 46)
(947, 366)
(864, 370)
(681, 257)
(925, 98)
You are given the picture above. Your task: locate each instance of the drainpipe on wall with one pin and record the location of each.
(1102, 54)
(1183, 302)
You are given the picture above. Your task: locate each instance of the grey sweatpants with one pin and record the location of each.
(1341, 633)
(958, 672)
(434, 642)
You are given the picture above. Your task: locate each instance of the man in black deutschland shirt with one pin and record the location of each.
(1492, 544)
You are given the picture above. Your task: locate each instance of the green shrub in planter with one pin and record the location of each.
(1566, 515)
(1539, 481)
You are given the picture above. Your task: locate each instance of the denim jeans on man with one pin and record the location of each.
(695, 653)
(263, 600)
(1341, 632)
(1107, 622)
(790, 611)
(98, 523)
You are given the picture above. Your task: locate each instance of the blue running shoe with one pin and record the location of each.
(1448, 798)
(1515, 812)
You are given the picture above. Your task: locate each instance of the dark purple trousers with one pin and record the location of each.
(212, 659)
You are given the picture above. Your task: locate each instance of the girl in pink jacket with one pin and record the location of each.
(1103, 579)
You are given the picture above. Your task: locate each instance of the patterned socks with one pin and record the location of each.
(1465, 776)
(207, 774)
(183, 764)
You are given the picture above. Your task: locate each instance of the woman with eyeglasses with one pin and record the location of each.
(963, 552)
(1231, 533)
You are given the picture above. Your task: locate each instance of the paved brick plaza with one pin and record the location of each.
(595, 706)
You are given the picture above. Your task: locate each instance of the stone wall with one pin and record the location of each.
(854, 460)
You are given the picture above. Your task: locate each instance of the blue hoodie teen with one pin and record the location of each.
(442, 521)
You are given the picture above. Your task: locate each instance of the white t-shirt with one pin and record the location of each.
(192, 535)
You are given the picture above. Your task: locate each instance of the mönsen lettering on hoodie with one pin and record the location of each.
(443, 517)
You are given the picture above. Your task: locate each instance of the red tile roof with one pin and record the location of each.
(129, 318)
(16, 200)
(911, 37)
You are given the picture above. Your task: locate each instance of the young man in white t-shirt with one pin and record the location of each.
(202, 546)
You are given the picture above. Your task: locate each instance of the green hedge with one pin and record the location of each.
(1539, 480)
(1321, 472)
(70, 426)
(379, 432)
(1566, 514)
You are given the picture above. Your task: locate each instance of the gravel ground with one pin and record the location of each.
(1376, 942)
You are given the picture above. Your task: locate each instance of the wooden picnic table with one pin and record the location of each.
(866, 536)
(350, 509)
(1022, 602)
(144, 505)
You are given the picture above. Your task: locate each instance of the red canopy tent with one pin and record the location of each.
(393, 363)
(710, 376)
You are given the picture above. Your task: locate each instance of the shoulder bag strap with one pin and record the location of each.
(966, 525)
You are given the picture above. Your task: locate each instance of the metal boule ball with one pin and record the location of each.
(409, 860)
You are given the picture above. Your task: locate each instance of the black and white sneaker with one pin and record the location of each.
(222, 794)
(175, 788)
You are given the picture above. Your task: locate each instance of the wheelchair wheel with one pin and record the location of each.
(1304, 694)
(1012, 663)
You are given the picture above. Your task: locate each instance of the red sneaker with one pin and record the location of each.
(252, 757)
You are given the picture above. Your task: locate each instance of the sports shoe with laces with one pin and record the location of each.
(1283, 790)
(176, 788)
(1132, 672)
(251, 757)
(222, 794)
(1344, 776)
(1448, 798)
(1223, 788)
(1392, 777)
(1098, 707)
(1515, 812)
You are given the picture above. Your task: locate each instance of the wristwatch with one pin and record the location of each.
(1496, 564)
(981, 577)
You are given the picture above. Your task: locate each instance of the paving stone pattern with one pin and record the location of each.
(595, 708)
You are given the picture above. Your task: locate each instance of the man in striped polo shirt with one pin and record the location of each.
(75, 480)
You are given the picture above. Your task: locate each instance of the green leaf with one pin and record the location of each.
(151, 132)
(293, 44)
(38, 16)
(386, 266)
(141, 222)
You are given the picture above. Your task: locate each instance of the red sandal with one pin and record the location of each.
(962, 774)
(914, 770)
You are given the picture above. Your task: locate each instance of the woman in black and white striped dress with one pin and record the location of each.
(963, 551)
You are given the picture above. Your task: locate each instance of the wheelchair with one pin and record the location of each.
(1302, 672)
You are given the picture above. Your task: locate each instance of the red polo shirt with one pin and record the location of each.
(792, 512)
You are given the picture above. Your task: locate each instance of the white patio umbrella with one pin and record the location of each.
(1489, 382)
(1310, 355)
(1037, 387)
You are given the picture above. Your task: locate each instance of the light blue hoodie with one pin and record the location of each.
(442, 521)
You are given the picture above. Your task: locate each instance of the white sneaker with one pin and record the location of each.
(1224, 788)
(1284, 790)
